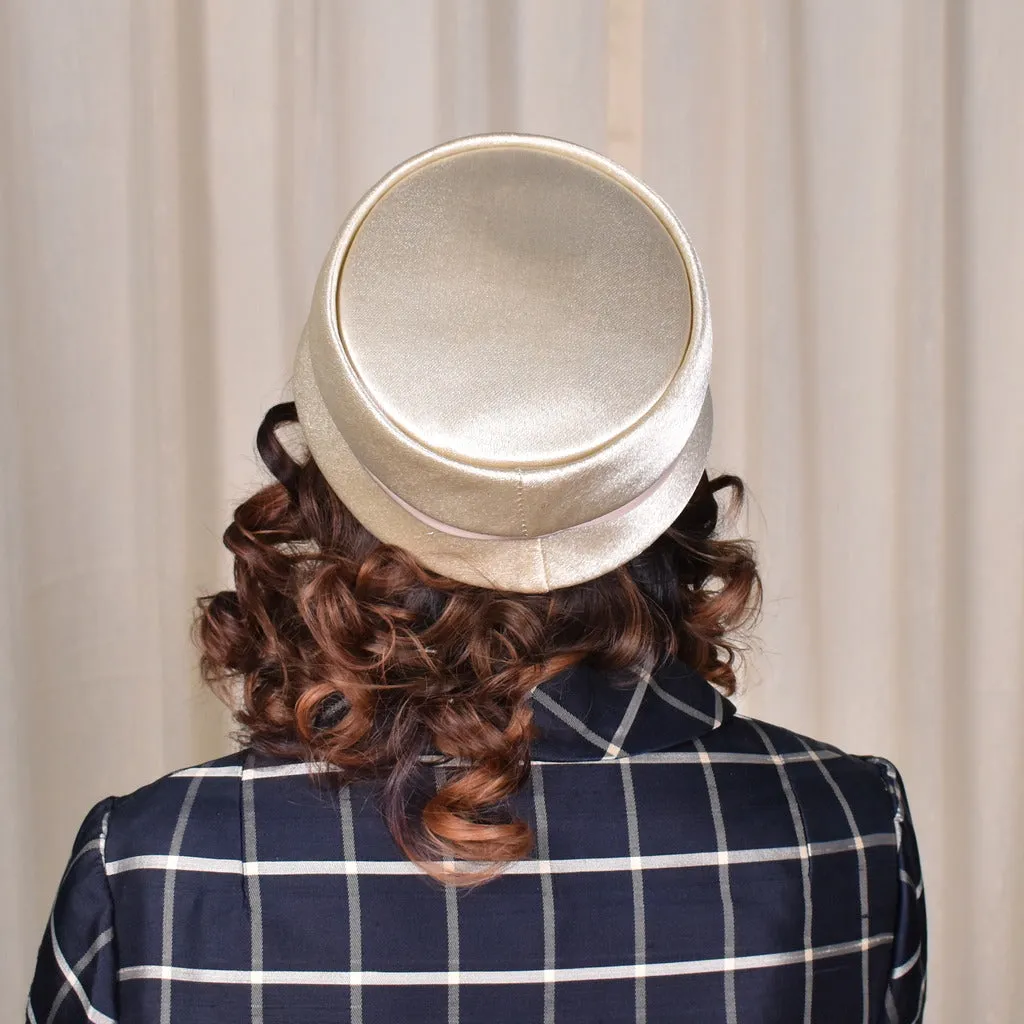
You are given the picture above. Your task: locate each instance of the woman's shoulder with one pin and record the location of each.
(820, 774)
(201, 810)
(170, 813)
(155, 808)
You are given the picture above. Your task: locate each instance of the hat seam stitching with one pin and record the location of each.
(519, 503)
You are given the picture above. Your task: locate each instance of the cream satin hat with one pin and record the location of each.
(506, 364)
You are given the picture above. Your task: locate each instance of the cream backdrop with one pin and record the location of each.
(851, 173)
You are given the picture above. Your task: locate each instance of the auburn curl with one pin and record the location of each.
(353, 655)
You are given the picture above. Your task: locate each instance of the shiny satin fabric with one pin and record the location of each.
(505, 368)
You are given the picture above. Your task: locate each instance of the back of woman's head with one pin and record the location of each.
(353, 655)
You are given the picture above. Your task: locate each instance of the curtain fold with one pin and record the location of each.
(171, 175)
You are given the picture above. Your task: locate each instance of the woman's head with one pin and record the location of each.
(503, 390)
(353, 654)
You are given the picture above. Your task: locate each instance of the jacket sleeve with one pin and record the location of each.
(905, 994)
(76, 970)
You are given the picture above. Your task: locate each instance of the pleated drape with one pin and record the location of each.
(171, 174)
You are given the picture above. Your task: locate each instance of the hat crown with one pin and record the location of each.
(491, 316)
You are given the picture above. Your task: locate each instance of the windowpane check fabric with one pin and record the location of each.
(690, 865)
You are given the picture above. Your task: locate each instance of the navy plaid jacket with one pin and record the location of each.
(690, 865)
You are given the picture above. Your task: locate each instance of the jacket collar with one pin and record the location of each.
(586, 714)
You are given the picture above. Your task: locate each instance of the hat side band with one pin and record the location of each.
(607, 517)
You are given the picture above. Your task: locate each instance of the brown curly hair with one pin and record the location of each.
(353, 655)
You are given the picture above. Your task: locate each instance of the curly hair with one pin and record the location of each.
(354, 656)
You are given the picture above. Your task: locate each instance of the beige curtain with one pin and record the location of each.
(171, 174)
